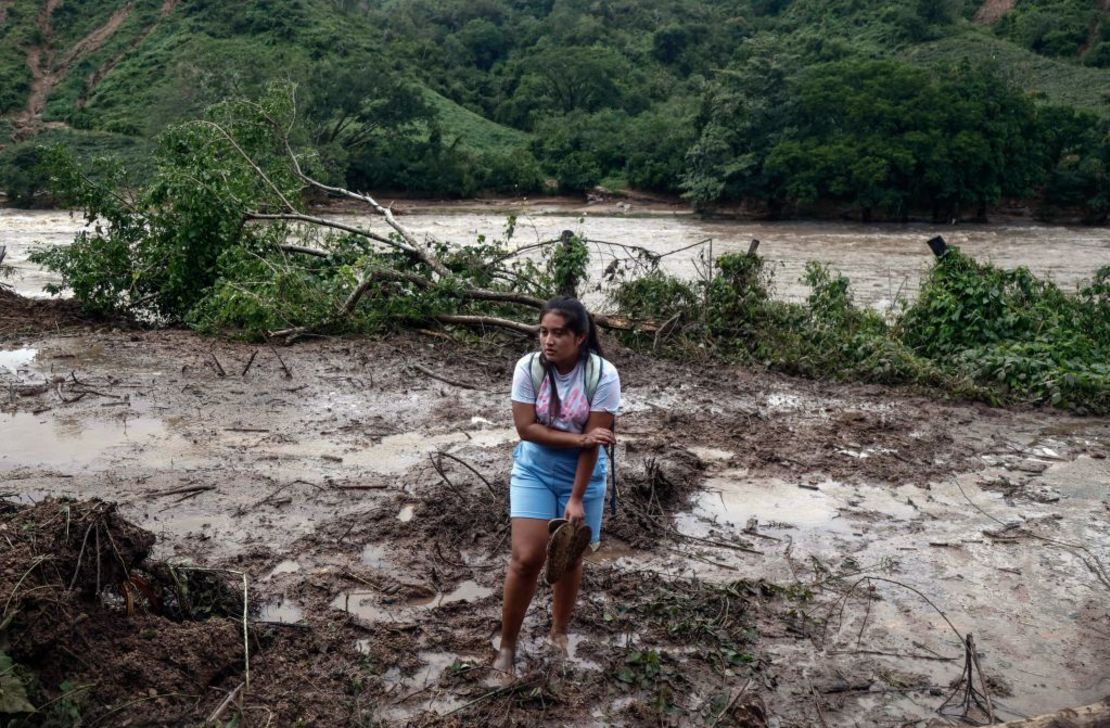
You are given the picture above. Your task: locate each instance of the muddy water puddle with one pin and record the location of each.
(15, 361)
(282, 611)
(372, 607)
(1038, 613)
(392, 455)
(31, 440)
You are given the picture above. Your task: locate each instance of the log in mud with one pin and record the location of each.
(785, 552)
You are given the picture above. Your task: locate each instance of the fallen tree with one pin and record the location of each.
(223, 238)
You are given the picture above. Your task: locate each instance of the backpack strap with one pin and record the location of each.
(535, 366)
(593, 375)
(594, 365)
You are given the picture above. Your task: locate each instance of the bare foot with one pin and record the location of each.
(506, 661)
(560, 642)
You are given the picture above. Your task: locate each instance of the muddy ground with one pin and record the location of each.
(786, 552)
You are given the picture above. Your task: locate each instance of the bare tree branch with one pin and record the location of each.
(324, 222)
(488, 321)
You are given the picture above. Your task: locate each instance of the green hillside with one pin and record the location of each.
(457, 96)
(1050, 80)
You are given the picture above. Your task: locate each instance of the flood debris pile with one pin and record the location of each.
(93, 630)
(654, 482)
(19, 315)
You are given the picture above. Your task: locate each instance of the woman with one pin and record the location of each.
(559, 467)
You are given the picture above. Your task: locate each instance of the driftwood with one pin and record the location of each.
(1096, 715)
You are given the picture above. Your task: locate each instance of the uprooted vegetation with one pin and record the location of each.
(221, 239)
(80, 594)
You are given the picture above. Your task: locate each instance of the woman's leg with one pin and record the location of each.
(565, 591)
(564, 596)
(529, 543)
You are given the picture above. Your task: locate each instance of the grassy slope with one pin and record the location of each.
(478, 133)
(166, 69)
(1049, 80)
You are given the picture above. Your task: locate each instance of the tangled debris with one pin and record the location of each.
(81, 594)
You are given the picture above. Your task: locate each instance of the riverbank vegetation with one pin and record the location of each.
(722, 102)
(221, 240)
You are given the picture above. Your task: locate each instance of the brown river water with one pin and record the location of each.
(883, 261)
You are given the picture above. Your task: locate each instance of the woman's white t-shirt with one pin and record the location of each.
(574, 409)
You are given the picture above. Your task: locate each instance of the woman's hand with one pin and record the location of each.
(598, 436)
(575, 513)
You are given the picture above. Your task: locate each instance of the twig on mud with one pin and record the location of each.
(711, 542)
(81, 555)
(375, 486)
(844, 597)
(866, 614)
(219, 367)
(702, 559)
(428, 372)
(437, 465)
(39, 560)
(127, 705)
(186, 489)
(1095, 565)
(215, 716)
(469, 467)
(250, 361)
(277, 490)
(64, 695)
(288, 374)
(817, 704)
(245, 429)
(85, 391)
(507, 690)
(972, 695)
(900, 655)
(731, 703)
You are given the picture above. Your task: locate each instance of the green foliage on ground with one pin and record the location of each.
(974, 330)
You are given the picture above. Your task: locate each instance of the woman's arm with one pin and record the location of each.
(530, 429)
(587, 460)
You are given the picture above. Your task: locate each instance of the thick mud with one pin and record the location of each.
(782, 547)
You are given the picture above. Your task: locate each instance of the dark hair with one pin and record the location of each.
(578, 320)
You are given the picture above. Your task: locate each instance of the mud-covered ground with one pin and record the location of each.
(785, 552)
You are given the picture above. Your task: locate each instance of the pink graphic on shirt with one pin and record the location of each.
(574, 410)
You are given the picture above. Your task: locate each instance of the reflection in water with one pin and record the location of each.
(34, 440)
(285, 611)
(14, 360)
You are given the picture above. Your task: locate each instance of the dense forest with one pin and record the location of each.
(881, 109)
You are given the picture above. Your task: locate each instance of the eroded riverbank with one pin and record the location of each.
(315, 470)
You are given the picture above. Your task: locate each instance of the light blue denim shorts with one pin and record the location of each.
(542, 480)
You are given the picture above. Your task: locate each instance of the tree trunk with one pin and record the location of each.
(1096, 715)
